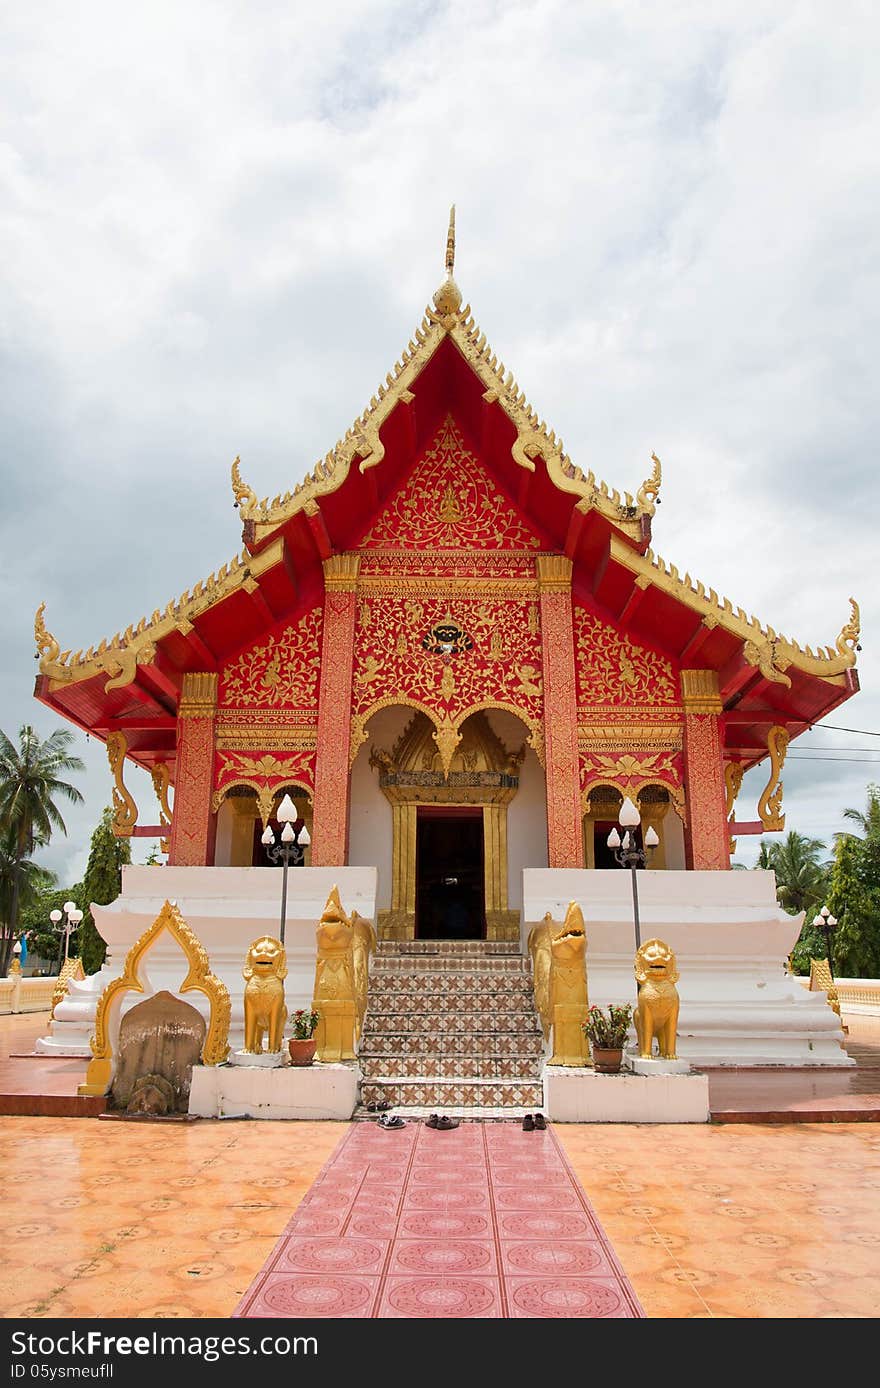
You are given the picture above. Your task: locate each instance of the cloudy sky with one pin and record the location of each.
(221, 222)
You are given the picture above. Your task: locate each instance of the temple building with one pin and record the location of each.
(458, 652)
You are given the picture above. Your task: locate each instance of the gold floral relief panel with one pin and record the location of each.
(612, 669)
(450, 502)
(493, 655)
(281, 671)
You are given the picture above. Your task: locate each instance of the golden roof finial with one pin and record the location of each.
(447, 300)
(450, 243)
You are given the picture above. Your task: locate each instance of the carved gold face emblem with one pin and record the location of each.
(266, 956)
(656, 960)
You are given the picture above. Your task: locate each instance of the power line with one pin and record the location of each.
(834, 727)
(853, 761)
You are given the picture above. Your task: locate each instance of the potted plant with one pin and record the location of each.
(607, 1029)
(301, 1042)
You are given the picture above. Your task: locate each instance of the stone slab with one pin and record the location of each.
(293, 1092)
(581, 1096)
(266, 1060)
(640, 1065)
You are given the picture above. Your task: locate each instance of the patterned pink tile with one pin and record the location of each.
(555, 1258)
(407, 1223)
(428, 1196)
(451, 1224)
(536, 1197)
(441, 1298)
(331, 1255)
(444, 1257)
(295, 1296)
(558, 1298)
(545, 1225)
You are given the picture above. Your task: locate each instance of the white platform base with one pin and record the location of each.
(581, 1096)
(294, 1091)
(656, 1066)
(266, 1060)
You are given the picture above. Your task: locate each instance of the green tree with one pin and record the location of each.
(101, 885)
(801, 876)
(854, 893)
(30, 785)
(32, 879)
(42, 937)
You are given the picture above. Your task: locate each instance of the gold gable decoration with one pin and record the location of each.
(449, 502)
(199, 978)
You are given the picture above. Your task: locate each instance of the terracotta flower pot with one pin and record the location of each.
(301, 1052)
(607, 1061)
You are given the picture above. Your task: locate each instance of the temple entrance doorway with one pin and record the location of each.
(450, 879)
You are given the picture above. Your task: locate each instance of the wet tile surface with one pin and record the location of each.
(465, 1224)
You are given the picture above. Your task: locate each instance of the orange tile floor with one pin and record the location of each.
(118, 1219)
(115, 1219)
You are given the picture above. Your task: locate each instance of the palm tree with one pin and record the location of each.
(29, 786)
(801, 878)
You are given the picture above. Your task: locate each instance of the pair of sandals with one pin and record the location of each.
(533, 1122)
(377, 1106)
(443, 1123)
(391, 1120)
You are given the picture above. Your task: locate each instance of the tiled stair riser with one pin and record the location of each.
(450, 1044)
(461, 1092)
(451, 1024)
(481, 1067)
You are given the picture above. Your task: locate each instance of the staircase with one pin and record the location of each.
(451, 1024)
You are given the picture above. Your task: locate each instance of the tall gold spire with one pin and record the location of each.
(450, 243)
(447, 300)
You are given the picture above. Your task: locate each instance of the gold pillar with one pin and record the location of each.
(400, 922)
(501, 923)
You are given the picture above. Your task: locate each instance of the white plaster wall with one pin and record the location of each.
(223, 844)
(370, 826)
(526, 828)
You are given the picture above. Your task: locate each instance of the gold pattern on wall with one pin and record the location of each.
(449, 501)
(267, 776)
(198, 978)
(770, 803)
(611, 669)
(282, 671)
(125, 811)
(631, 774)
(503, 668)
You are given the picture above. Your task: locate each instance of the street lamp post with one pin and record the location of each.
(292, 845)
(74, 916)
(825, 922)
(628, 854)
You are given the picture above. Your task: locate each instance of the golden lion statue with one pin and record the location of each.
(657, 1010)
(568, 990)
(335, 988)
(265, 970)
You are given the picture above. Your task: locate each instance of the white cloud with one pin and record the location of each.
(221, 222)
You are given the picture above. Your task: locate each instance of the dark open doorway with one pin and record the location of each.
(450, 896)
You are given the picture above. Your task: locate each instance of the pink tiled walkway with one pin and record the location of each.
(484, 1221)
